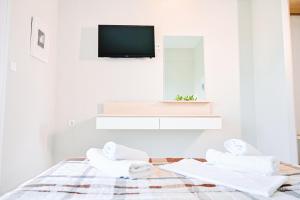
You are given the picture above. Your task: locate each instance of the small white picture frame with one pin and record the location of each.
(39, 40)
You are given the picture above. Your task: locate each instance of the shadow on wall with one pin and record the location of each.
(89, 43)
(74, 142)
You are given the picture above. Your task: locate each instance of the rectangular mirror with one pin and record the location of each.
(183, 67)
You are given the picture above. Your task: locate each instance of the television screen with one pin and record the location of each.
(126, 41)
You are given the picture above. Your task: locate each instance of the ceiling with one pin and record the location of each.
(295, 7)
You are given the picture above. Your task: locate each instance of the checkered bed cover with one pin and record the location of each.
(75, 179)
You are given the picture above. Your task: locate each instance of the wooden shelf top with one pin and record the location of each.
(175, 101)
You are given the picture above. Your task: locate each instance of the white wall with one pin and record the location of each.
(247, 72)
(295, 30)
(85, 81)
(274, 117)
(267, 116)
(29, 118)
(4, 26)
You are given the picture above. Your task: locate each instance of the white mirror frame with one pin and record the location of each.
(163, 56)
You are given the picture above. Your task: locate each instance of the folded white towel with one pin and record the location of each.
(266, 165)
(250, 183)
(115, 151)
(121, 168)
(239, 147)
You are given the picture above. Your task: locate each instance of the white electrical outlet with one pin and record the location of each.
(71, 123)
(13, 66)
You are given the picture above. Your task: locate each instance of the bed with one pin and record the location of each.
(75, 179)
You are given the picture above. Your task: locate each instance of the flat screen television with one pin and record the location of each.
(126, 41)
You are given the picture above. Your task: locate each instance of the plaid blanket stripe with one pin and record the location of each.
(74, 179)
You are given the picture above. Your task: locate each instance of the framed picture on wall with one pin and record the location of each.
(39, 40)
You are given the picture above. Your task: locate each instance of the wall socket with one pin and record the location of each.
(13, 66)
(71, 123)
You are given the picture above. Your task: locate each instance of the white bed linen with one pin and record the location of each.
(250, 183)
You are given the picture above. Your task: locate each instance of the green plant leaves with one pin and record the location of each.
(179, 97)
(186, 98)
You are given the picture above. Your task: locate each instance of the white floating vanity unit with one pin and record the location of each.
(165, 115)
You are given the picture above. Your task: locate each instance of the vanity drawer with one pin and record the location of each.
(191, 123)
(127, 123)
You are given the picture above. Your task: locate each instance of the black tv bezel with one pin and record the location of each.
(103, 55)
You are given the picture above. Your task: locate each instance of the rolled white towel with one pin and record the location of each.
(266, 165)
(121, 168)
(115, 151)
(239, 147)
